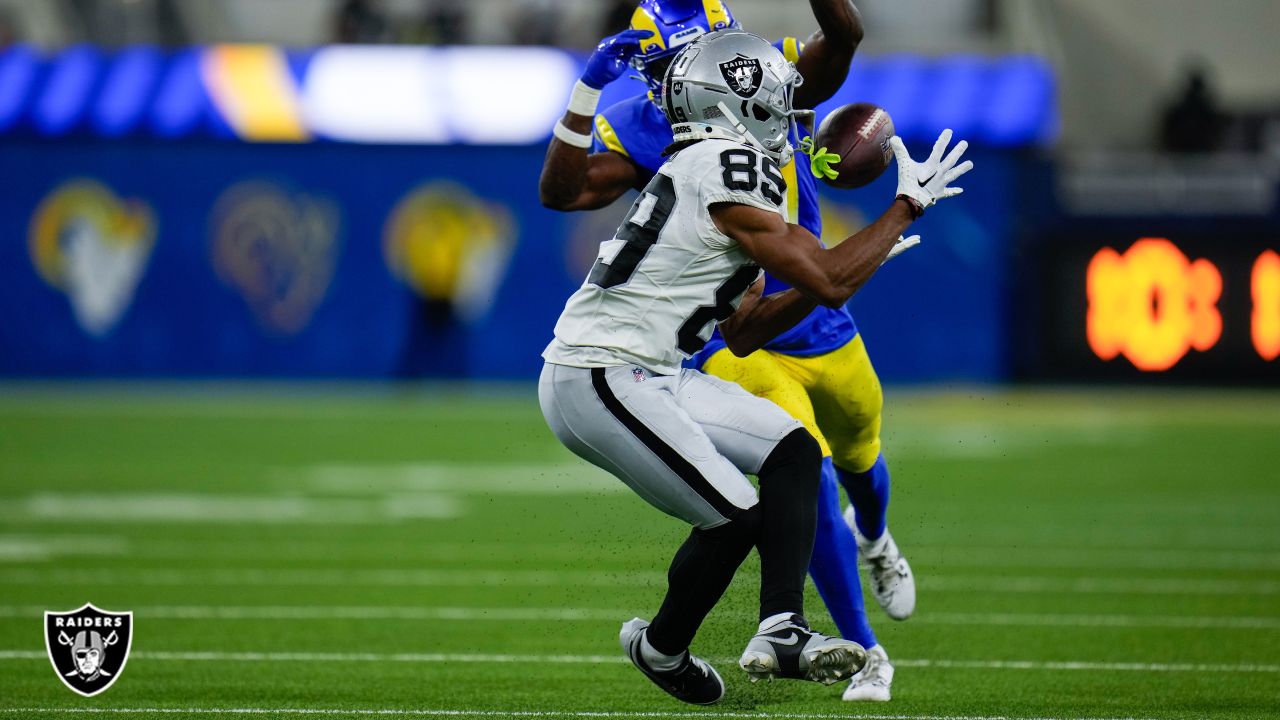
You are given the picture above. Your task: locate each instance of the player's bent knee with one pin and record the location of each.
(861, 460)
(859, 452)
(801, 453)
(863, 409)
(856, 446)
(742, 527)
(872, 404)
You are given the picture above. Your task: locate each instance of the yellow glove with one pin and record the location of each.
(820, 161)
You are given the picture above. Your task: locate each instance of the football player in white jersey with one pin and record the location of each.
(688, 256)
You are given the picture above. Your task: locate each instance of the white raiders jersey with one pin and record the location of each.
(668, 275)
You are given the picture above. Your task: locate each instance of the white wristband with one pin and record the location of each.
(584, 99)
(571, 137)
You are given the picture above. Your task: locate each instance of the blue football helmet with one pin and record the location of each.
(674, 24)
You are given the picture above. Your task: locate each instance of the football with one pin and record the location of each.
(859, 133)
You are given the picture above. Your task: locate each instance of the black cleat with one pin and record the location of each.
(694, 681)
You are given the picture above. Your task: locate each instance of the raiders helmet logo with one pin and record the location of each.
(743, 74)
(88, 647)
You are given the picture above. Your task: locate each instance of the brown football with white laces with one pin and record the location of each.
(859, 133)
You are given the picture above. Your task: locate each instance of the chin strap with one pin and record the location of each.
(820, 161)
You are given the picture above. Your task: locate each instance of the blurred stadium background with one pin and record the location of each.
(274, 280)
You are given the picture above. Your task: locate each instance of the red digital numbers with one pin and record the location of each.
(1152, 304)
(1265, 323)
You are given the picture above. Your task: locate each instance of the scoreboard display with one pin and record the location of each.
(1132, 306)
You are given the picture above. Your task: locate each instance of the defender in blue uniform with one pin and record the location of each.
(637, 129)
(818, 371)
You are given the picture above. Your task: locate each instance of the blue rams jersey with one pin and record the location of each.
(637, 129)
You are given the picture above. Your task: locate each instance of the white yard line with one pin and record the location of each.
(1100, 621)
(240, 509)
(469, 614)
(453, 577)
(443, 577)
(46, 547)
(395, 712)
(492, 658)
(1091, 558)
(461, 478)
(1089, 666)
(1098, 585)
(954, 558)
(277, 612)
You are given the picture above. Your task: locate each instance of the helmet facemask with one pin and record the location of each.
(654, 68)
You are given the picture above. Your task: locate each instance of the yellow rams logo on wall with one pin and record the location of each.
(277, 249)
(94, 246)
(449, 245)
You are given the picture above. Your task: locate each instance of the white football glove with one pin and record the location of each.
(925, 183)
(904, 244)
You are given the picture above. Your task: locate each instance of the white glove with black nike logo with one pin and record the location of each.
(925, 183)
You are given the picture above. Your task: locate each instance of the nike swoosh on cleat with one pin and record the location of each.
(790, 640)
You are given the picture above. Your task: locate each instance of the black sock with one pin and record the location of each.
(700, 573)
(789, 515)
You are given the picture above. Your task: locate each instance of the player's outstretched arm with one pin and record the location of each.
(760, 318)
(831, 277)
(573, 178)
(792, 254)
(824, 62)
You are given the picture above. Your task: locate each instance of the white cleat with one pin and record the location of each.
(789, 649)
(892, 582)
(871, 684)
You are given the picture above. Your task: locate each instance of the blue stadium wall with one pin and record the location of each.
(132, 252)
(275, 260)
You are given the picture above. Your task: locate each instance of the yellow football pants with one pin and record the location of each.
(837, 396)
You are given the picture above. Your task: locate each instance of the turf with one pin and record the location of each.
(1088, 554)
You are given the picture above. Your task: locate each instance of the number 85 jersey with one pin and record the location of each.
(668, 275)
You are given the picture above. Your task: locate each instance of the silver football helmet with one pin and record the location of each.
(733, 85)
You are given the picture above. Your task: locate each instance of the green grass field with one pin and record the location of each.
(355, 552)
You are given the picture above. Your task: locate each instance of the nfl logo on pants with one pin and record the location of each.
(88, 647)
